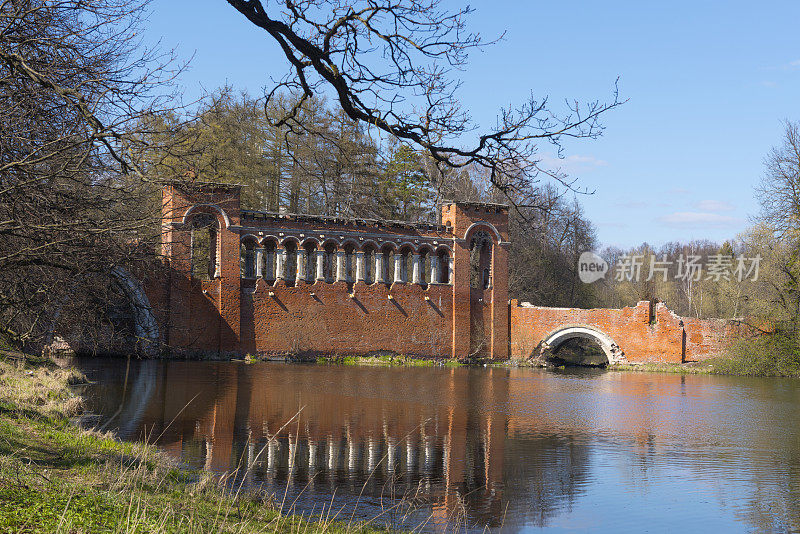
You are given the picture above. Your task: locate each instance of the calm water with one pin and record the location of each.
(516, 450)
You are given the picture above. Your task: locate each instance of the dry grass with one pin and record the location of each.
(55, 477)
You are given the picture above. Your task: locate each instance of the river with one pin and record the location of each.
(511, 449)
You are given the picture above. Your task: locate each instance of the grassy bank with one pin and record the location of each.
(775, 355)
(55, 477)
(390, 360)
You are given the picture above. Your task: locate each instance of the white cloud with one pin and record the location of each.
(685, 219)
(714, 205)
(795, 63)
(573, 164)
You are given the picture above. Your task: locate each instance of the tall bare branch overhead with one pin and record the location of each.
(391, 63)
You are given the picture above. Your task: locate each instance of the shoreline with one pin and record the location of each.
(719, 364)
(56, 476)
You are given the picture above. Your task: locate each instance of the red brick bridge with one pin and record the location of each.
(237, 281)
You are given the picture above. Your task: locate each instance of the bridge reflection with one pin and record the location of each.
(439, 435)
(497, 445)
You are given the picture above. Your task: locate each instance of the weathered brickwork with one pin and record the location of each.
(644, 333)
(283, 283)
(274, 283)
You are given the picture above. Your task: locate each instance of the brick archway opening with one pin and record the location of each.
(579, 339)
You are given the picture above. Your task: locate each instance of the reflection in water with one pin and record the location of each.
(519, 448)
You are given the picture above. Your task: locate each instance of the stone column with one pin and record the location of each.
(449, 262)
(280, 267)
(398, 268)
(341, 275)
(259, 262)
(379, 276)
(361, 272)
(417, 269)
(320, 264)
(301, 266)
(269, 265)
(434, 274)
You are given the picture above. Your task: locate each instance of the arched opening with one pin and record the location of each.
(290, 268)
(579, 352)
(480, 260)
(311, 260)
(349, 263)
(388, 264)
(424, 266)
(480, 255)
(204, 247)
(369, 264)
(270, 249)
(406, 264)
(247, 258)
(444, 266)
(329, 262)
(581, 346)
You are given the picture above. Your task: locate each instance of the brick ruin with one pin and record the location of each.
(240, 281)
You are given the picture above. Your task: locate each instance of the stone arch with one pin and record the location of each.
(483, 225)
(370, 243)
(146, 326)
(222, 217)
(556, 338)
(270, 239)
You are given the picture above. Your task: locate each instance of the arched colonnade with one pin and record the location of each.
(311, 260)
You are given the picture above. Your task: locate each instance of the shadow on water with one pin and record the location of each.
(519, 448)
(578, 352)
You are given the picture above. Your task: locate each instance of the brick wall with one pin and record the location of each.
(643, 336)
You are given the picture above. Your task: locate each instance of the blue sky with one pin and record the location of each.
(708, 83)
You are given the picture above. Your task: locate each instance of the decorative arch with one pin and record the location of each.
(206, 208)
(290, 239)
(370, 243)
(270, 240)
(306, 241)
(250, 238)
(612, 351)
(483, 225)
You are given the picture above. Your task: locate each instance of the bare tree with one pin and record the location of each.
(75, 84)
(390, 63)
(779, 191)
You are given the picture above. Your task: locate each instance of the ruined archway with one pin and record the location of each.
(145, 325)
(556, 339)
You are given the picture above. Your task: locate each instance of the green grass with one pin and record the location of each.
(55, 477)
(772, 355)
(777, 354)
(389, 360)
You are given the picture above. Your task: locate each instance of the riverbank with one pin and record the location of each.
(737, 362)
(56, 477)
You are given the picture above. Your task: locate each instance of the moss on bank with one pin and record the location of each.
(55, 477)
(390, 360)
